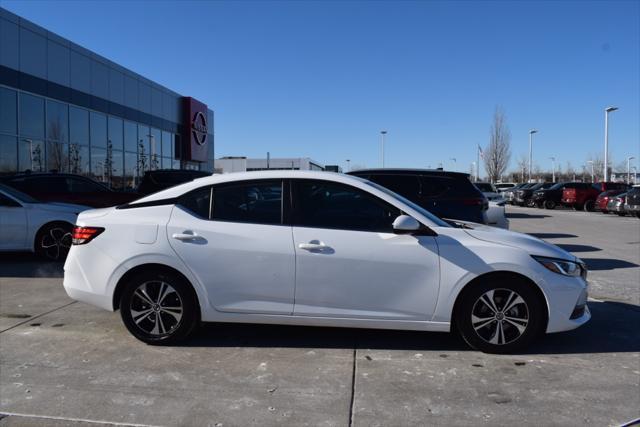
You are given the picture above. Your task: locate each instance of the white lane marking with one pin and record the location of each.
(77, 420)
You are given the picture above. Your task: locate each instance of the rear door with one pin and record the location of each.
(232, 238)
(350, 264)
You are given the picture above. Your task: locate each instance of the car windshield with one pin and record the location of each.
(422, 211)
(19, 195)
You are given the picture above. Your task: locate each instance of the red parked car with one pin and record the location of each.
(584, 196)
(604, 198)
(68, 188)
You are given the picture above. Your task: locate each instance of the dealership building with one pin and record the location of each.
(64, 108)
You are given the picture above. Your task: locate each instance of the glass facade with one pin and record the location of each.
(39, 134)
(64, 108)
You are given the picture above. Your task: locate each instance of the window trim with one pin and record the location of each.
(376, 199)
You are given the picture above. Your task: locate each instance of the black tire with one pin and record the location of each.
(530, 203)
(53, 241)
(578, 207)
(533, 309)
(621, 213)
(604, 211)
(549, 204)
(590, 206)
(152, 314)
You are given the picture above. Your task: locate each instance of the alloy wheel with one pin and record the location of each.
(500, 316)
(156, 308)
(55, 243)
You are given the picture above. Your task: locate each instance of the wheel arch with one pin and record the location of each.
(499, 275)
(151, 267)
(41, 227)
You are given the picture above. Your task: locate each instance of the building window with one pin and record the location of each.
(98, 130)
(8, 111)
(167, 145)
(155, 147)
(57, 121)
(78, 126)
(130, 171)
(57, 156)
(130, 137)
(31, 116)
(31, 155)
(9, 157)
(144, 160)
(115, 136)
(78, 159)
(100, 166)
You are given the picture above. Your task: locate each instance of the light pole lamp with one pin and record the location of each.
(383, 133)
(629, 169)
(531, 132)
(553, 169)
(606, 141)
(348, 165)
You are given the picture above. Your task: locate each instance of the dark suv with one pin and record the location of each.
(445, 194)
(523, 196)
(156, 180)
(69, 188)
(550, 198)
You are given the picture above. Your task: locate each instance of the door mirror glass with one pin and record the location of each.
(404, 224)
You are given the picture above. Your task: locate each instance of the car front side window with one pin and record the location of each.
(326, 204)
(257, 202)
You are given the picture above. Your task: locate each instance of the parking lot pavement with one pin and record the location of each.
(65, 363)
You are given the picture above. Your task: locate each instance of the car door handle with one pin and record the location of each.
(187, 235)
(312, 246)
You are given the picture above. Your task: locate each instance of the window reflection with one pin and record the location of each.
(117, 181)
(155, 148)
(115, 133)
(78, 159)
(98, 130)
(8, 111)
(101, 167)
(57, 156)
(57, 121)
(130, 171)
(9, 157)
(144, 160)
(78, 126)
(31, 116)
(31, 155)
(130, 137)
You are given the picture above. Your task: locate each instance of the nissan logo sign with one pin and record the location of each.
(199, 127)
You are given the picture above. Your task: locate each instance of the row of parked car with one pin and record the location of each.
(38, 210)
(606, 197)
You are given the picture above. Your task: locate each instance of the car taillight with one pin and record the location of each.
(83, 235)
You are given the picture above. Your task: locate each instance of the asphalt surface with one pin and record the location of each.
(65, 363)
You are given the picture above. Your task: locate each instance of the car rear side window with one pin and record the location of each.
(257, 202)
(198, 202)
(324, 204)
(433, 187)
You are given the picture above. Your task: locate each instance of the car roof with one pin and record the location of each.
(409, 171)
(181, 189)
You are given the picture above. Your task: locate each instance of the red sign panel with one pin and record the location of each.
(196, 129)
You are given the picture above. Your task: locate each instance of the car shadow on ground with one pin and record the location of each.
(29, 265)
(524, 215)
(577, 248)
(552, 235)
(607, 263)
(611, 329)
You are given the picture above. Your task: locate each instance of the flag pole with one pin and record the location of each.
(478, 165)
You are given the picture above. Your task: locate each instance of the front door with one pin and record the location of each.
(232, 238)
(350, 264)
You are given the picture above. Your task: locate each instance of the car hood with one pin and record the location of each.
(530, 244)
(61, 207)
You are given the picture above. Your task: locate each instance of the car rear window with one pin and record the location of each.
(405, 185)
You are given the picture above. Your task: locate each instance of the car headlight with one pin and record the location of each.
(563, 266)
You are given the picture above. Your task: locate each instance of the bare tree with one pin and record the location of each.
(523, 167)
(498, 152)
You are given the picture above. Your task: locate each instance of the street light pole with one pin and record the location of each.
(553, 168)
(348, 165)
(629, 169)
(606, 141)
(382, 134)
(531, 132)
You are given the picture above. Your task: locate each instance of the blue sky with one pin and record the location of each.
(321, 79)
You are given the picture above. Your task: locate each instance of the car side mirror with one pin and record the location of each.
(404, 224)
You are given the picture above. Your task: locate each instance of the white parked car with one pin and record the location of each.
(496, 215)
(489, 191)
(29, 225)
(317, 249)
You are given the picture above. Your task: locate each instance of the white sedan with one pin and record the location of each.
(317, 249)
(29, 225)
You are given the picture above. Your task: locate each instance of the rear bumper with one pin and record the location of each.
(632, 208)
